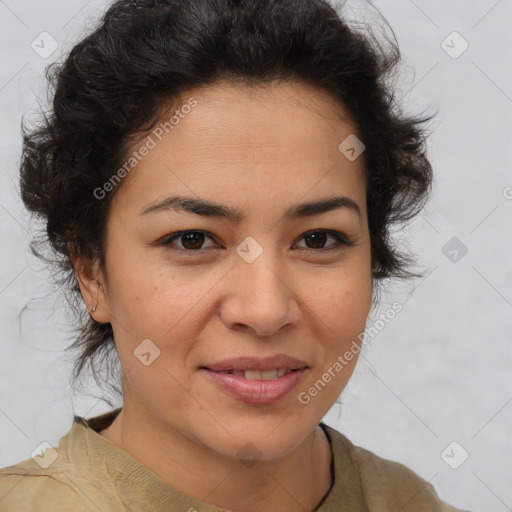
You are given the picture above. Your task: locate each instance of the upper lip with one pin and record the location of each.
(280, 361)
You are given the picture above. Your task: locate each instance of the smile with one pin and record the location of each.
(256, 387)
(259, 375)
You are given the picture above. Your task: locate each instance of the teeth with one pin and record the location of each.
(257, 375)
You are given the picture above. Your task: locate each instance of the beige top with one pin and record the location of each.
(92, 474)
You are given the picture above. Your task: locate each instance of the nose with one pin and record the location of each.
(260, 298)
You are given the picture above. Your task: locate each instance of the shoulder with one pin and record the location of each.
(389, 482)
(28, 486)
(69, 477)
(388, 485)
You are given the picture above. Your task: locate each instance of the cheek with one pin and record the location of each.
(342, 302)
(344, 310)
(167, 304)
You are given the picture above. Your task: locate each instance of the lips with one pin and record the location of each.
(259, 375)
(257, 381)
(243, 364)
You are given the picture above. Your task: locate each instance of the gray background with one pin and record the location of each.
(439, 372)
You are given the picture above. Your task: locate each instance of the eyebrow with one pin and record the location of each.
(208, 208)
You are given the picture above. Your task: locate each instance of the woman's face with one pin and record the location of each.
(260, 284)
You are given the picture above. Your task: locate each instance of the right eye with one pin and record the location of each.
(191, 241)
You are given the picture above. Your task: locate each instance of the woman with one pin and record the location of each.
(218, 179)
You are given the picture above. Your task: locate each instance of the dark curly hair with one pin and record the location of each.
(146, 53)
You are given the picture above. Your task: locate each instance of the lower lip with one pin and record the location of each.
(256, 391)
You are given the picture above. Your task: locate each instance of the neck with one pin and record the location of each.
(297, 482)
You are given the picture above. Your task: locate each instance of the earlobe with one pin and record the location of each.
(91, 280)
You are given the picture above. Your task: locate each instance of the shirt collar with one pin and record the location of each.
(138, 486)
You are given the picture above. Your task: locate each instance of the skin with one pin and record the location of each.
(261, 151)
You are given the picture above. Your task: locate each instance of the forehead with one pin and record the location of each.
(272, 116)
(236, 140)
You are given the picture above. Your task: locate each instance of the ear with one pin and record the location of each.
(92, 283)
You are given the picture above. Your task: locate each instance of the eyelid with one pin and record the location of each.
(342, 240)
(166, 240)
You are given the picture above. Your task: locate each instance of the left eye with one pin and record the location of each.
(318, 239)
(192, 241)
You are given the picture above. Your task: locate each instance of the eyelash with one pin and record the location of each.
(341, 241)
